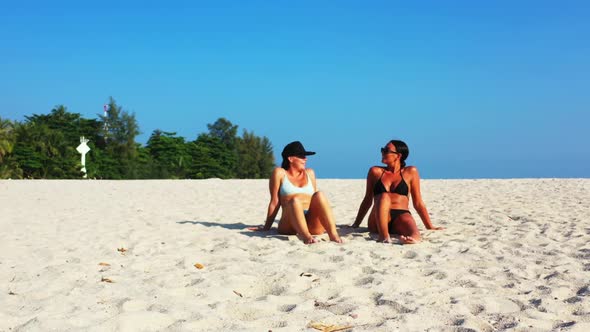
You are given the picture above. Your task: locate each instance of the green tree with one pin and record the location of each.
(255, 156)
(211, 158)
(6, 138)
(145, 166)
(46, 144)
(120, 156)
(221, 153)
(225, 131)
(267, 161)
(8, 166)
(170, 155)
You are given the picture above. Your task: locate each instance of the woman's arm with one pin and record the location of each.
(417, 201)
(367, 200)
(274, 204)
(311, 173)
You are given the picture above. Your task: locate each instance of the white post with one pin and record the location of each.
(83, 150)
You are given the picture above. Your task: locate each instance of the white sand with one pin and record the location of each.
(515, 255)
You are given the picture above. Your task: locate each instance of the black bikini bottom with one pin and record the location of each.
(394, 213)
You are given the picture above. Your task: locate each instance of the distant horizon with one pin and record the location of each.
(477, 90)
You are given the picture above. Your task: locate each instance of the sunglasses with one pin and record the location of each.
(387, 151)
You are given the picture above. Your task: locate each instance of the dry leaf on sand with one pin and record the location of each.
(329, 328)
(121, 250)
(104, 264)
(106, 280)
(238, 293)
(199, 266)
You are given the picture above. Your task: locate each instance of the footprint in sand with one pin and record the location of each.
(336, 259)
(194, 282)
(458, 321)
(465, 283)
(584, 291)
(536, 302)
(544, 290)
(477, 309)
(342, 308)
(374, 255)
(158, 308)
(287, 307)
(438, 275)
(503, 322)
(583, 254)
(275, 287)
(279, 324)
(397, 307)
(410, 254)
(563, 325)
(572, 300)
(368, 270)
(365, 281)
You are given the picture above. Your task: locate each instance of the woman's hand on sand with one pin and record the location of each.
(257, 229)
(386, 240)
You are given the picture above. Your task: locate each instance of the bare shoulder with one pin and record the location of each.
(278, 172)
(411, 171)
(375, 171)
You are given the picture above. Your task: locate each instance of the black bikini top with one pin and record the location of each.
(400, 189)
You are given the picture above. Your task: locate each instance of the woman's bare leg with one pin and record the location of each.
(372, 224)
(320, 217)
(382, 207)
(405, 225)
(296, 217)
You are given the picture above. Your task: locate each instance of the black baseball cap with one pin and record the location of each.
(295, 149)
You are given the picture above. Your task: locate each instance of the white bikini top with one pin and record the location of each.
(287, 188)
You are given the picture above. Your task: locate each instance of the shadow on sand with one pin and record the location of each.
(242, 228)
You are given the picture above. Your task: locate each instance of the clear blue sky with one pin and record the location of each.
(496, 89)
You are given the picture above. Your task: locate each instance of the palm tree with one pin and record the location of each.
(6, 138)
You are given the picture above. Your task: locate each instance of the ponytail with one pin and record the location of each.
(403, 149)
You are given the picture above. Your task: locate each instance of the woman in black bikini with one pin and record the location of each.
(390, 188)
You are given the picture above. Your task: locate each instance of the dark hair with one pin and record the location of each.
(401, 147)
(285, 164)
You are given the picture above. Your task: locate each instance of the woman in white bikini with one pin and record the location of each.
(306, 211)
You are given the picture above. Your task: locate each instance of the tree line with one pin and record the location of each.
(44, 147)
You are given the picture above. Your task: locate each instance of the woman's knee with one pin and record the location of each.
(382, 199)
(319, 197)
(294, 203)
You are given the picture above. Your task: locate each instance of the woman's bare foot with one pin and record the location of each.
(311, 240)
(408, 240)
(337, 239)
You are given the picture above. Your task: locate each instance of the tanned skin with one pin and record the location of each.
(319, 218)
(379, 218)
